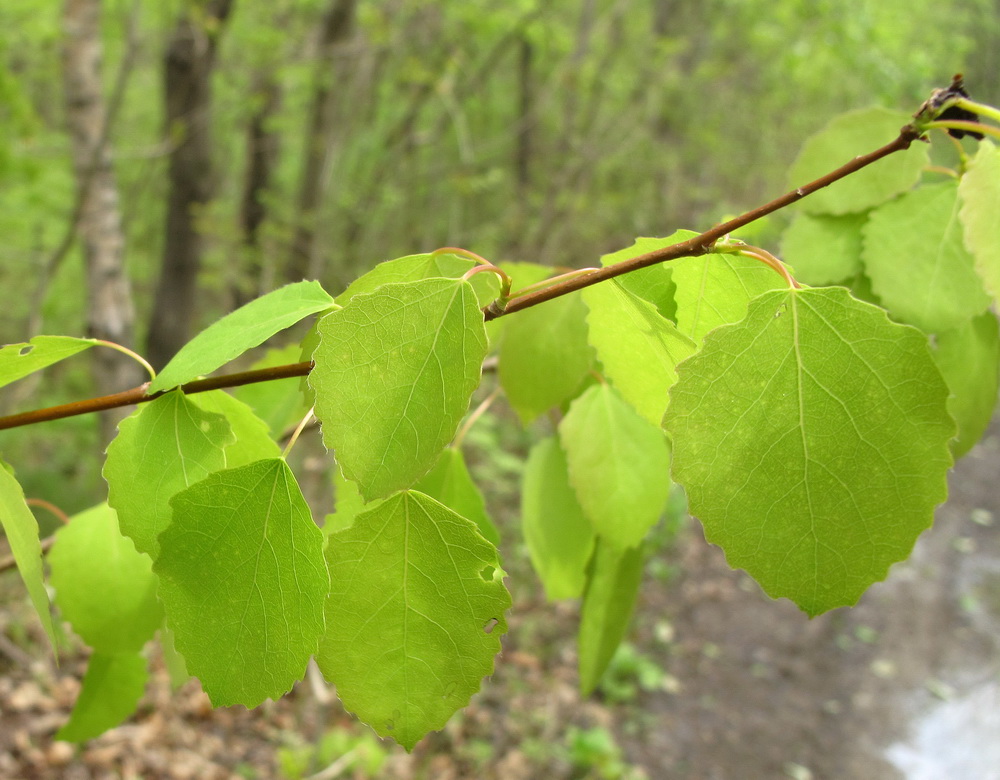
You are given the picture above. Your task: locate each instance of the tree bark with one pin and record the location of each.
(188, 65)
(110, 311)
(337, 27)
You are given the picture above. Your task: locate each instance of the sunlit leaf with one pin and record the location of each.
(559, 536)
(414, 617)
(653, 283)
(277, 403)
(413, 268)
(243, 329)
(843, 139)
(613, 580)
(395, 370)
(822, 249)
(980, 195)
(242, 580)
(919, 267)
(812, 441)
(21, 530)
(253, 439)
(109, 694)
(450, 483)
(104, 588)
(163, 447)
(19, 360)
(618, 465)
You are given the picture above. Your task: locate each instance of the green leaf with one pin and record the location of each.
(104, 588)
(253, 440)
(19, 360)
(165, 446)
(559, 536)
(414, 617)
(969, 359)
(847, 136)
(812, 440)
(349, 504)
(918, 265)
(637, 346)
(618, 465)
(612, 587)
(395, 370)
(414, 268)
(979, 191)
(240, 330)
(278, 403)
(521, 275)
(450, 483)
(21, 530)
(653, 283)
(714, 290)
(823, 249)
(242, 580)
(544, 356)
(110, 693)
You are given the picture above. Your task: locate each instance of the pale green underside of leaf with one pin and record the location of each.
(559, 536)
(612, 587)
(917, 262)
(969, 359)
(980, 195)
(638, 347)
(544, 356)
(163, 447)
(109, 694)
(240, 330)
(812, 440)
(714, 290)
(618, 465)
(395, 370)
(822, 249)
(414, 617)
(413, 268)
(21, 529)
(19, 360)
(450, 483)
(242, 579)
(104, 588)
(843, 139)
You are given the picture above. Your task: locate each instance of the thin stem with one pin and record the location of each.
(979, 108)
(466, 253)
(552, 280)
(771, 261)
(41, 503)
(134, 355)
(964, 124)
(298, 429)
(471, 420)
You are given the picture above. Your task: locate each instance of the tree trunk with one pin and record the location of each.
(188, 65)
(338, 25)
(110, 312)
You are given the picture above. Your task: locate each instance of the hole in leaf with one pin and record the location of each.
(487, 573)
(490, 625)
(26, 350)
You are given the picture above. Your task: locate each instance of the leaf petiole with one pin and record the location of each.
(126, 351)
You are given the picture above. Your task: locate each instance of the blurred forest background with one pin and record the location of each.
(164, 162)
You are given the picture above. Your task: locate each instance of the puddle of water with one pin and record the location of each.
(957, 738)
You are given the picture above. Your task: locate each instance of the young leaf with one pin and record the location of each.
(979, 191)
(110, 693)
(414, 617)
(163, 447)
(450, 483)
(812, 440)
(969, 359)
(714, 290)
(823, 249)
(613, 582)
(104, 588)
(618, 465)
(559, 536)
(19, 360)
(919, 267)
(240, 330)
(413, 268)
(242, 580)
(253, 439)
(21, 530)
(637, 346)
(842, 140)
(544, 355)
(395, 370)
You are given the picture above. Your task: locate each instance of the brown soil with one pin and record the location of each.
(753, 688)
